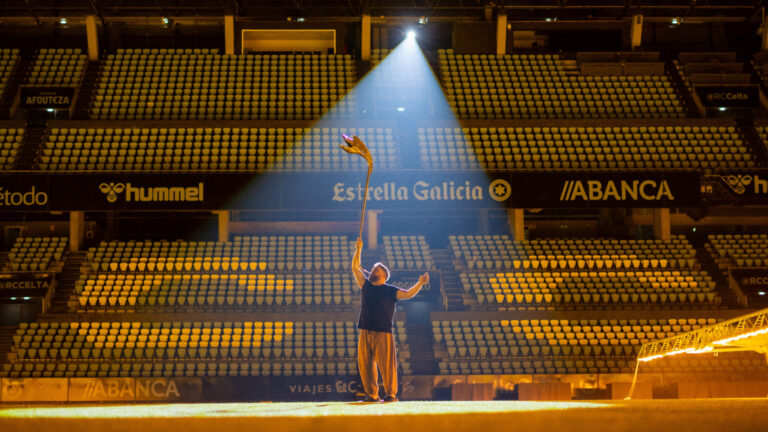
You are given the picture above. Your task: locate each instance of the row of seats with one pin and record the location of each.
(36, 253)
(742, 250)
(703, 148)
(730, 363)
(762, 131)
(408, 252)
(547, 346)
(207, 291)
(9, 58)
(247, 253)
(60, 66)
(502, 252)
(539, 86)
(183, 149)
(209, 86)
(10, 141)
(85, 369)
(186, 349)
(378, 55)
(596, 289)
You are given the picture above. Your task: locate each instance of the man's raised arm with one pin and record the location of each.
(412, 291)
(357, 268)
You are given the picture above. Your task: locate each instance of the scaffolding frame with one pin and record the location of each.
(744, 333)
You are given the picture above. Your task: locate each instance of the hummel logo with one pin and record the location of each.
(738, 183)
(111, 190)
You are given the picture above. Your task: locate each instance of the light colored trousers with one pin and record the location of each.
(377, 349)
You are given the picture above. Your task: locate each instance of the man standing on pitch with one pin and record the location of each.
(376, 344)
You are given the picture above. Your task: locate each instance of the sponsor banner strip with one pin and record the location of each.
(604, 189)
(405, 189)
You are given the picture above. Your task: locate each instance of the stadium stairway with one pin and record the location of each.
(419, 329)
(363, 67)
(66, 280)
(753, 141)
(12, 89)
(87, 87)
(30, 148)
(6, 341)
(452, 296)
(708, 264)
(682, 90)
(755, 78)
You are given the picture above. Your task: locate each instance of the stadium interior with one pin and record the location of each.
(580, 179)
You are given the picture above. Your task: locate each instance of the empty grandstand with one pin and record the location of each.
(175, 206)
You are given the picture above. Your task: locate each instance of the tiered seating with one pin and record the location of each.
(59, 66)
(760, 64)
(201, 84)
(185, 348)
(378, 55)
(154, 149)
(643, 147)
(501, 252)
(403, 348)
(548, 346)
(582, 273)
(10, 142)
(267, 252)
(8, 60)
(260, 272)
(408, 252)
(212, 291)
(592, 289)
(742, 250)
(539, 86)
(763, 132)
(36, 253)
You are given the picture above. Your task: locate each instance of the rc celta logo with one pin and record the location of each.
(152, 194)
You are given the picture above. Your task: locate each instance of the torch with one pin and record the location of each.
(355, 145)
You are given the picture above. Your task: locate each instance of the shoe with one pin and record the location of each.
(390, 399)
(369, 399)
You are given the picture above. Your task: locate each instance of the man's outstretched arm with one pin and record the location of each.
(357, 268)
(412, 291)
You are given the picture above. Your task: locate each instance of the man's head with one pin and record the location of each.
(379, 274)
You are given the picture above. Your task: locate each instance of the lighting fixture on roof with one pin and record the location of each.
(300, 19)
(13, 298)
(761, 293)
(166, 20)
(63, 21)
(675, 21)
(722, 108)
(410, 34)
(423, 20)
(25, 298)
